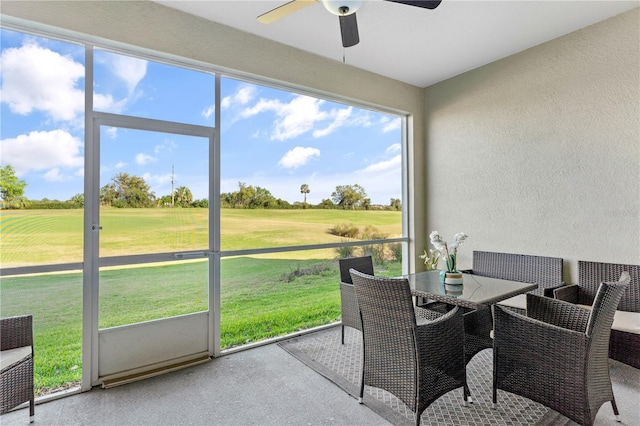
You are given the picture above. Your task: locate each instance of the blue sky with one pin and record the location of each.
(270, 138)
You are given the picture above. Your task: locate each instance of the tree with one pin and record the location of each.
(11, 188)
(127, 191)
(396, 204)
(250, 197)
(326, 204)
(78, 200)
(183, 196)
(349, 196)
(365, 203)
(164, 201)
(304, 189)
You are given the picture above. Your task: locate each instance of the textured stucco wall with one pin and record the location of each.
(539, 153)
(157, 28)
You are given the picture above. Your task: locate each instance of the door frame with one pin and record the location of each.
(92, 335)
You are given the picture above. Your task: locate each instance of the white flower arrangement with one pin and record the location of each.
(431, 259)
(443, 248)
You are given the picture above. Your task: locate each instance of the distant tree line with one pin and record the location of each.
(130, 191)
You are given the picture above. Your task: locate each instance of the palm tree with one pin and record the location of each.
(183, 196)
(304, 189)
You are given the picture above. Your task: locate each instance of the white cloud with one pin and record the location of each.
(384, 166)
(54, 175)
(128, 69)
(157, 179)
(159, 184)
(261, 106)
(112, 132)
(35, 78)
(303, 114)
(106, 103)
(294, 118)
(340, 117)
(208, 112)
(243, 96)
(142, 158)
(42, 150)
(396, 147)
(167, 145)
(120, 165)
(298, 156)
(391, 125)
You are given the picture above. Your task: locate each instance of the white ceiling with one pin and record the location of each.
(414, 45)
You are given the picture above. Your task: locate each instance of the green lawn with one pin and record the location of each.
(262, 296)
(35, 237)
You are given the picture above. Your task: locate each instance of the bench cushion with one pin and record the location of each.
(628, 322)
(519, 302)
(13, 356)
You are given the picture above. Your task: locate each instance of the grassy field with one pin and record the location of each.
(261, 296)
(34, 237)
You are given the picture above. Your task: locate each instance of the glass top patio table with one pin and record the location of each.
(475, 292)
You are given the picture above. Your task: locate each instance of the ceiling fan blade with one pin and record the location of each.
(427, 4)
(349, 30)
(284, 10)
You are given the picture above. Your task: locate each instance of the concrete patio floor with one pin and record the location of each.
(259, 386)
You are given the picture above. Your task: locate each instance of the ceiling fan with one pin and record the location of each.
(345, 9)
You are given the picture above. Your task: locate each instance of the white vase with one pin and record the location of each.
(453, 278)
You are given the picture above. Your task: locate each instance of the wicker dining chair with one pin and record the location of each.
(557, 354)
(624, 346)
(416, 363)
(348, 302)
(16, 372)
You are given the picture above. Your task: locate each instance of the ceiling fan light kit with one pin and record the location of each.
(344, 9)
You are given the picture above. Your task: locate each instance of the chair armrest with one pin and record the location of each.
(527, 341)
(349, 308)
(548, 291)
(16, 332)
(441, 342)
(557, 312)
(568, 293)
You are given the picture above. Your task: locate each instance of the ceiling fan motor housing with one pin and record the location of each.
(342, 7)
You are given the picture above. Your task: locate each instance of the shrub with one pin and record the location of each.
(343, 252)
(317, 269)
(396, 251)
(200, 203)
(372, 233)
(377, 252)
(51, 205)
(345, 230)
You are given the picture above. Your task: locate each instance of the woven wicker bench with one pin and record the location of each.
(624, 343)
(544, 271)
(16, 363)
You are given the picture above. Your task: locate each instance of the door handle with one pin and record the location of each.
(191, 255)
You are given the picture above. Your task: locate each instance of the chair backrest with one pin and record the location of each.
(542, 270)
(361, 264)
(604, 307)
(591, 274)
(16, 332)
(382, 297)
(388, 328)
